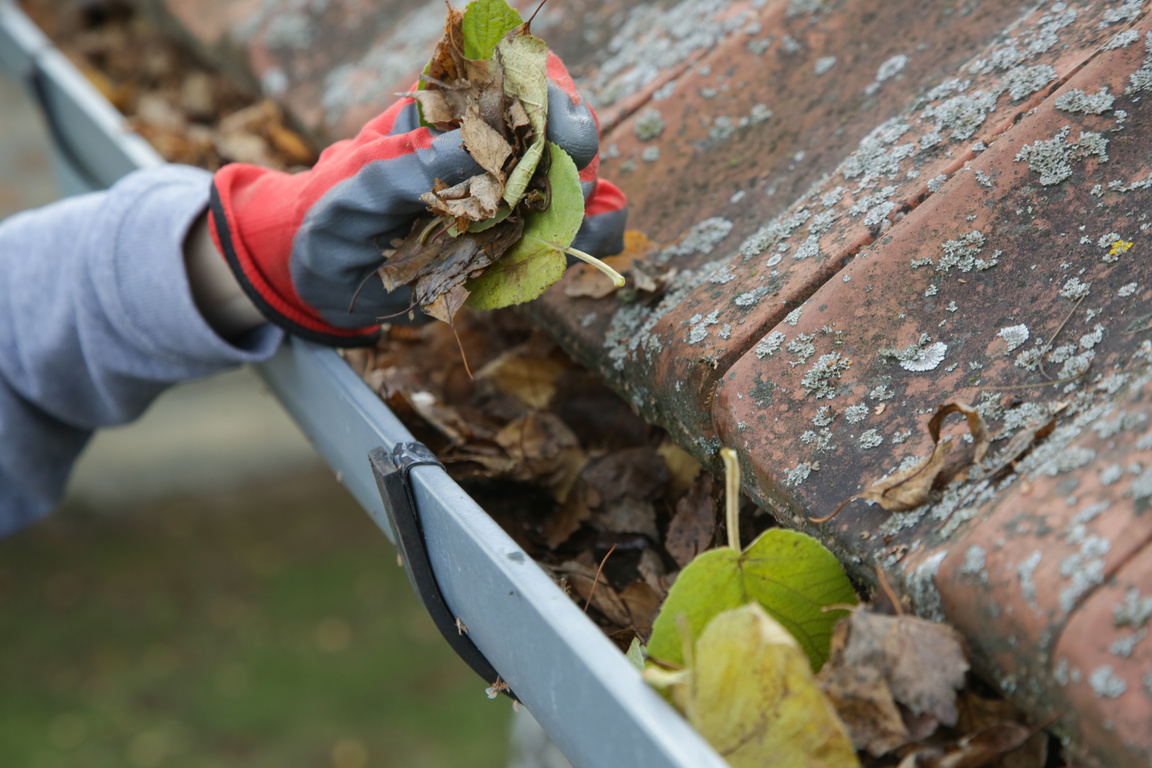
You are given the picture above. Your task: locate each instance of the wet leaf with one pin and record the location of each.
(750, 693)
(537, 260)
(793, 576)
(485, 23)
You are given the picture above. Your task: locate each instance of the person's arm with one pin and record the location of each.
(97, 317)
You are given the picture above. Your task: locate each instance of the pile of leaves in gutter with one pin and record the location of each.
(187, 110)
(557, 458)
(579, 482)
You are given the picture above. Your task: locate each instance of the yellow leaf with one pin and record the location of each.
(750, 692)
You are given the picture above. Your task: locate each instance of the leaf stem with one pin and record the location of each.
(617, 278)
(731, 497)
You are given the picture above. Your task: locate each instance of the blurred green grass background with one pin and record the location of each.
(264, 626)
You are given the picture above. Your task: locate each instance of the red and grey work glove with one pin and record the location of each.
(301, 244)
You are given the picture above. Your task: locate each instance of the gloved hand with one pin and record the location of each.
(300, 245)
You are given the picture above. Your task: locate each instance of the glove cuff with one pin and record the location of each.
(258, 253)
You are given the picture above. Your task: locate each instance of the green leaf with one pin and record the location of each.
(525, 60)
(750, 693)
(792, 575)
(537, 261)
(485, 23)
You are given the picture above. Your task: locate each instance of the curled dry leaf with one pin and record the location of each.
(909, 489)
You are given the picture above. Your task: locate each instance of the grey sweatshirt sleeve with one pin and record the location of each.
(96, 319)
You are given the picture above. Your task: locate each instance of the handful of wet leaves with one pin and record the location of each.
(500, 237)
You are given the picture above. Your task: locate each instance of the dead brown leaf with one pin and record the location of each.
(546, 450)
(475, 199)
(909, 489)
(921, 664)
(694, 522)
(487, 147)
(628, 514)
(530, 379)
(574, 512)
(643, 602)
(581, 577)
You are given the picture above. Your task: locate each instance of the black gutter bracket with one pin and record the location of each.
(391, 471)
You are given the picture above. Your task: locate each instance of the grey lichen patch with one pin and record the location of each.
(1111, 474)
(1014, 335)
(722, 129)
(819, 380)
(702, 238)
(1132, 611)
(649, 124)
(961, 115)
(936, 183)
(961, 254)
(855, 414)
(1129, 10)
(824, 64)
(1074, 290)
(763, 391)
(919, 357)
(1083, 570)
(921, 588)
(793, 317)
(1024, 573)
(870, 438)
(802, 347)
(650, 154)
(1127, 290)
(1123, 646)
(887, 70)
(1077, 100)
(1023, 81)
(769, 345)
(798, 474)
(749, 298)
(809, 248)
(759, 114)
(655, 37)
(974, 563)
(1052, 158)
(699, 325)
(878, 155)
(773, 234)
(881, 392)
(824, 416)
(1105, 683)
(1122, 40)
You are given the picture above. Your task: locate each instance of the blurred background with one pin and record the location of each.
(209, 595)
